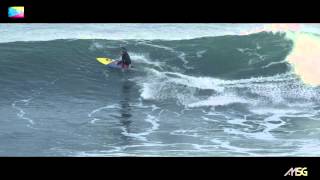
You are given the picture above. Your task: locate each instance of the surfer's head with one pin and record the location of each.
(123, 50)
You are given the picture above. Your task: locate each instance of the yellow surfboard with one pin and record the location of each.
(105, 61)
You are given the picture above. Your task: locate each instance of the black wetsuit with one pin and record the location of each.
(125, 59)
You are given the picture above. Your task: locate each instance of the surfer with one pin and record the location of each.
(125, 59)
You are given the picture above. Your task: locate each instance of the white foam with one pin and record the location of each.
(142, 135)
(219, 101)
(275, 78)
(141, 105)
(278, 92)
(22, 114)
(254, 56)
(199, 54)
(94, 119)
(277, 89)
(208, 119)
(269, 110)
(196, 82)
(145, 59)
(183, 132)
(180, 55)
(158, 46)
(164, 88)
(292, 111)
(310, 147)
(274, 115)
(148, 91)
(264, 135)
(239, 121)
(227, 145)
(274, 63)
(269, 87)
(96, 45)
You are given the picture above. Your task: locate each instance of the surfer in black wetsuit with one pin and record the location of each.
(125, 59)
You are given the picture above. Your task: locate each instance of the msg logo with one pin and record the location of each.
(298, 171)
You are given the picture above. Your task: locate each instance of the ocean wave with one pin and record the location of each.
(47, 32)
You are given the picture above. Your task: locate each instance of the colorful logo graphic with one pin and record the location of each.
(16, 12)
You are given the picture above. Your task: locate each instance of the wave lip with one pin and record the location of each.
(47, 32)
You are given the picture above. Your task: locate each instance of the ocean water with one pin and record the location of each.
(194, 90)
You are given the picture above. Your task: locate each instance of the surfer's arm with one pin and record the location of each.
(121, 60)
